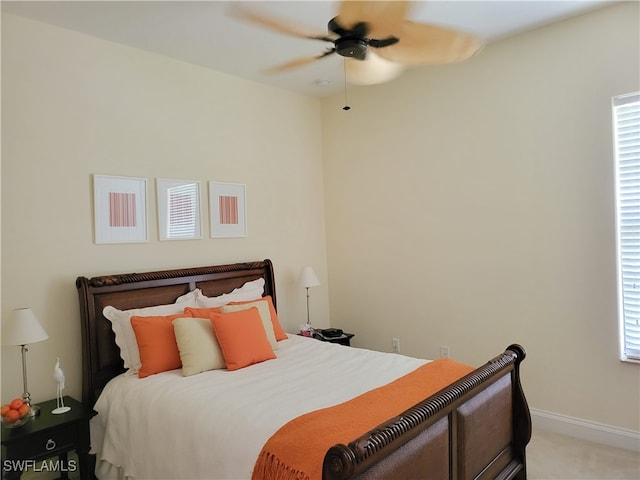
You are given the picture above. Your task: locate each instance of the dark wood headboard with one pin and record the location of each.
(100, 355)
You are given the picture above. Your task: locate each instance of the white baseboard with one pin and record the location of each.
(586, 430)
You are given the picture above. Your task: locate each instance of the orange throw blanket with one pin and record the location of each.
(296, 451)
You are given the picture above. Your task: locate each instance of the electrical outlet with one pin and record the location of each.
(444, 352)
(395, 345)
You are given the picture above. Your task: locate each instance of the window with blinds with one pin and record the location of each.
(626, 125)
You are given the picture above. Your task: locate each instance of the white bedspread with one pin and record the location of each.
(214, 424)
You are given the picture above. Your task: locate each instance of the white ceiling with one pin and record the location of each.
(202, 32)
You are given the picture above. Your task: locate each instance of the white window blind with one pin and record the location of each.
(626, 124)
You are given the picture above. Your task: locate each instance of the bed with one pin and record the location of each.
(474, 427)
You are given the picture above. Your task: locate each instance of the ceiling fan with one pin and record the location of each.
(376, 40)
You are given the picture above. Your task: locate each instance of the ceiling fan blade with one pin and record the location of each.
(275, 24)
(371, 71)
(383, 18)
(298, 62)
(423, 44)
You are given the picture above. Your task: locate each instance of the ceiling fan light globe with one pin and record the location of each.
(372, 71)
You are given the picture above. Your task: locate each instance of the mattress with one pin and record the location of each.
(214, 424)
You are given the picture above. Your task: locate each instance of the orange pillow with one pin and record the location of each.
(242, 338)
(156, 343)
(277, 328)
(201, 312)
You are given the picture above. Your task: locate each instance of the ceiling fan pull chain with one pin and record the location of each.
(346, 104)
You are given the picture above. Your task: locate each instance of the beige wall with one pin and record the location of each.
(467, 205)
(72, 106)
(472, 206)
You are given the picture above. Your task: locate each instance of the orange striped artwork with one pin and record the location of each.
(122, 209)
(228, 208)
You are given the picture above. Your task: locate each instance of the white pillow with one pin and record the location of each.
(265, 316)
(192, 295)
(126, 338)
(252, 290)
(199, 348)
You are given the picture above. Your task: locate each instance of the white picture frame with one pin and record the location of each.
(120, 209)
(227, 210)
(179, 212)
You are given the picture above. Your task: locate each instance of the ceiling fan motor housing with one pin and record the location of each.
(352, 47)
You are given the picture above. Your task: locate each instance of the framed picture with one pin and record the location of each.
(179, 216)
(120, 209)
(227, 209)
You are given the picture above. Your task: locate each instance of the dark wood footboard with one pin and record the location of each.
(476, 428)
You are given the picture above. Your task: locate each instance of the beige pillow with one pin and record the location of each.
(265, 316)
(198, 346)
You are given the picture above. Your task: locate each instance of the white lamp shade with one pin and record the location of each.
(308, 278)
(23, 328)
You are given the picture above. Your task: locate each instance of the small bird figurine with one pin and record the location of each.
(58, 375)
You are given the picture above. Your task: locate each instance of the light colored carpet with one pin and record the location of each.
(553, 456)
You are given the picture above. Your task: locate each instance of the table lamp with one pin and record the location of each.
(23, 328)
(307, 279)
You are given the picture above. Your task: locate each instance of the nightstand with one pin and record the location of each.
(47, 436)
(344, 339)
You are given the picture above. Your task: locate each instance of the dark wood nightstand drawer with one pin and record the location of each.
(50, 435)
(51, 442)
